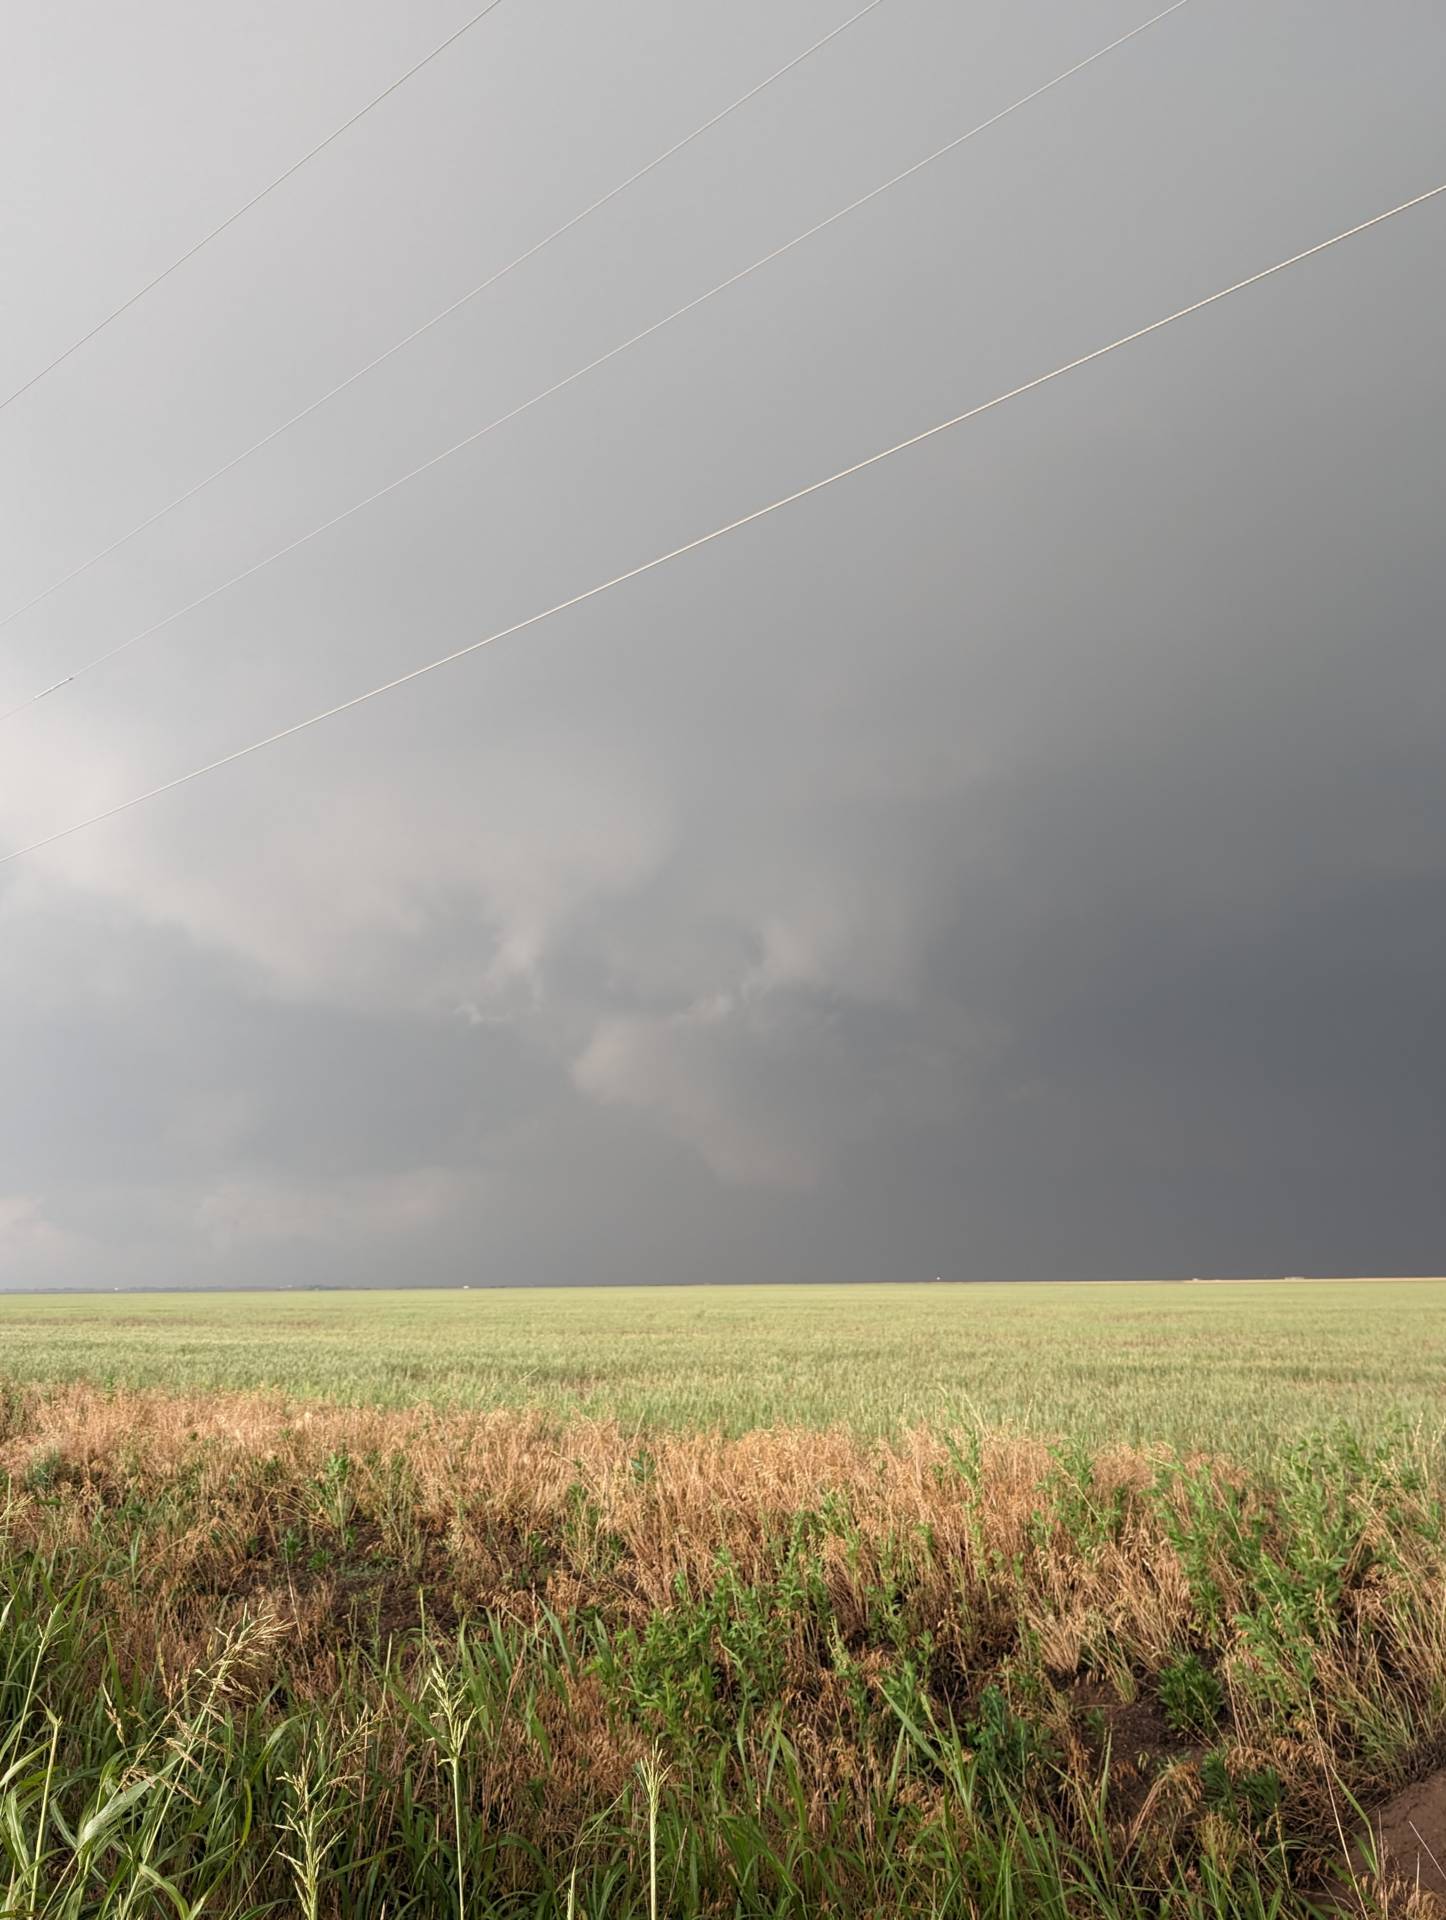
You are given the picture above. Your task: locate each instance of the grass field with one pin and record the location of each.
(1237, 1366)
(1116, 1603)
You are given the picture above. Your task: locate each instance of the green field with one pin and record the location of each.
(1115, 1602)
(1238, 1366)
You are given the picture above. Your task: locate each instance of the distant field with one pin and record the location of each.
(1235, 1366)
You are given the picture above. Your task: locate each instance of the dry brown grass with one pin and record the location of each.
(936, 1574)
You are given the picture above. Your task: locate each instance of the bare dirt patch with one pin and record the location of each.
(1410, 1836)
(1140, 1744)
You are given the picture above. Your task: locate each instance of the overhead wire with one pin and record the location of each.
(721, 532)
(255, 200)
(444, 313)
(591, 366)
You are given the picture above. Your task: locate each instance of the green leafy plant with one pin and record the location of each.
(1191, 1697)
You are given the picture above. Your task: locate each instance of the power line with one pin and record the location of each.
(480, 433)
(255, 200)
(436, 319)
(719, 533)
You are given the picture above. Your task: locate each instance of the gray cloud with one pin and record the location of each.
(1023, 860)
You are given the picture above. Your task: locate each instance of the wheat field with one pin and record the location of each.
(1238, 1366)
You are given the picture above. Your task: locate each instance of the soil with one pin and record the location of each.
(1410, 1835)
(1140, 1743)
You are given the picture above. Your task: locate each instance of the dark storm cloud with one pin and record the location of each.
(1023, 860)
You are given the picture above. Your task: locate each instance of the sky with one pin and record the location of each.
(1022, 860)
